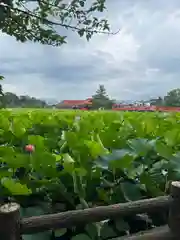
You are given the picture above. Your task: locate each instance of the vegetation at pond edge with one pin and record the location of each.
(66, 160)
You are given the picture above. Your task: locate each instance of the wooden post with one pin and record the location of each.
(174, 210)
(10, 221)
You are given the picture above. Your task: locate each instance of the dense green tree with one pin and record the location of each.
(1, 97)
(101, 92)
(43, 24)
(11, 99)
(1, 94)
(101, 99)
(173, 98)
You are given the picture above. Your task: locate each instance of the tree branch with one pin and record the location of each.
(49, 22)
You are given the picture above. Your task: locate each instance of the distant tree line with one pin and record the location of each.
(172, 99)
(11, 100)
(99, 100)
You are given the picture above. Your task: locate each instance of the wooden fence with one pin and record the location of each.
(12, 226)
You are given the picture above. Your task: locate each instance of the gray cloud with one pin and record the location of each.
(141, 61)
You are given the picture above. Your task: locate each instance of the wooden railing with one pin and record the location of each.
(12, 226)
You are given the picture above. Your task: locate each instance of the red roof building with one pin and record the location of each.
(72, 103)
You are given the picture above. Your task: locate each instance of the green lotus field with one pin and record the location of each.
(65, 160)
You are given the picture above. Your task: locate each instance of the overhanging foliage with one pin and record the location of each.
(44, 23)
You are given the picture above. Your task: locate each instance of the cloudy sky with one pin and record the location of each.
(141, 61)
